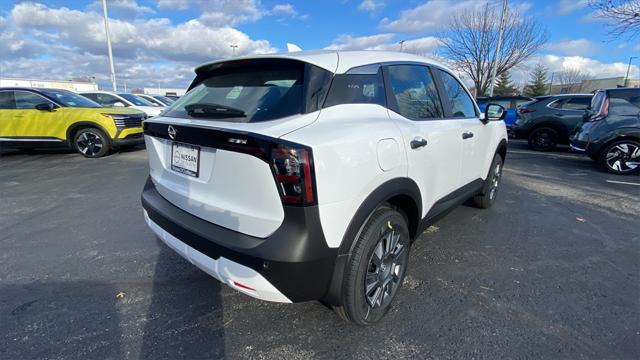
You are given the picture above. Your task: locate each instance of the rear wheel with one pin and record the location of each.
(621, 157)
(91, 143)
(543, 139)
(376, 268)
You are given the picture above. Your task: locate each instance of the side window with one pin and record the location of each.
(6, 100)
(356, 89)
(579, 103)
(520, 102)
(557, 104)
(107, 99)
(415, 92)
(93, 97)
(27, 100)
(625, 103)
(461, 103)
(504, 103)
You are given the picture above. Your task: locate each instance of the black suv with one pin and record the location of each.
(550, 120)
(610, 133)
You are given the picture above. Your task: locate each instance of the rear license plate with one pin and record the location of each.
(185, 159)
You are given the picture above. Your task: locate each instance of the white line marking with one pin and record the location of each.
(622, 182)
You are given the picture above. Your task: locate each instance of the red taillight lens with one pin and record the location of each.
(292, 169)
(525, 110)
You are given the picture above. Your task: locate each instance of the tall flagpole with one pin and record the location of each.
(106, 29)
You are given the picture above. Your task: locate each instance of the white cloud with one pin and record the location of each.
(435, 15)
(64, 43)
(565, 7)
(284, 9)
(432, 15)
(572, 47)
(371, 5)
(423, 46)
(124, 8)
(555, 63)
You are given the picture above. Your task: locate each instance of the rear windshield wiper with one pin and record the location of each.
(217, 110)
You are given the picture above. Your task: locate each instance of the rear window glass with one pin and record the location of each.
(356, 89)
(253, 91)
(625, 103)
(6, 100)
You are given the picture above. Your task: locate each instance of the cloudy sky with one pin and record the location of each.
(157, 43)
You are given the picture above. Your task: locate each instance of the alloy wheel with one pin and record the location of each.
(89, 143)
(623, 157)
(495, 181)
(384, 270)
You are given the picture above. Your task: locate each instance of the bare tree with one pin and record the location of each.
(624, 16)
(571, 80)
(471, 40)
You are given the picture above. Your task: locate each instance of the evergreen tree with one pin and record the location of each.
(538, 85)
(504, 86)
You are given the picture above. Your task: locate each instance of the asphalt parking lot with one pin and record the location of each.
(551, 271)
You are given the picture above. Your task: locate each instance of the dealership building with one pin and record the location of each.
(54, 84)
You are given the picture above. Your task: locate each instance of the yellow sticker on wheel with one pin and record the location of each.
(389, 225)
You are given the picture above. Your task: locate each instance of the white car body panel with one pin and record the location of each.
(346, 167)
(233, 190)
(226, 271)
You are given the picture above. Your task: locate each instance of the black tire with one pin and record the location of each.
(621, 157)
(489, 192)
(379, 259)
(543, 139)
(91, 142)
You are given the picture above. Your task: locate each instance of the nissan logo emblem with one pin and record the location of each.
(172, 132)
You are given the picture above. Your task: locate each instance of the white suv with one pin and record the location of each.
(306, 176)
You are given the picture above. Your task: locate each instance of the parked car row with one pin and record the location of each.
(92, 123)
(604, 125)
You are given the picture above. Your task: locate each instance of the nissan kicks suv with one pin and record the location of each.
(306, 176)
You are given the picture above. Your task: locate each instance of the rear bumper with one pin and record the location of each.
(293, 264)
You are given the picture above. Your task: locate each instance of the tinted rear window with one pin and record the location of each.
(253, 91)
(357, 89)
(624, 102)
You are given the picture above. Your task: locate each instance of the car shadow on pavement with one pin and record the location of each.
(185, 317)
(46, 320)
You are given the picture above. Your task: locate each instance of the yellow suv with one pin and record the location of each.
(39, 118)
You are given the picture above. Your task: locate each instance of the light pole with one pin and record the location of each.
(494, 67)
(626, 77)
(234, 47)
(106, 29)
(401, 44)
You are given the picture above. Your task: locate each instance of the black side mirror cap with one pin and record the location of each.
(46, 106)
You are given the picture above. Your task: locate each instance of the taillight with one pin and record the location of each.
(603, 113)
(524, 110)
(292, 168)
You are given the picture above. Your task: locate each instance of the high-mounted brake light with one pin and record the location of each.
(293, 172)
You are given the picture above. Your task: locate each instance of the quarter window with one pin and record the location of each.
(415, 92)
(27, 100)
(580, 103)
(356, 89)
(461, 103)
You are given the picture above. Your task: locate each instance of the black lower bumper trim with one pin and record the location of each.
(295, 259)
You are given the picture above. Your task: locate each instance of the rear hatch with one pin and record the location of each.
(215, 152)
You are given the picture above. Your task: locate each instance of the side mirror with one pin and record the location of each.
(494, 112)
(46, 106)
(119, 104)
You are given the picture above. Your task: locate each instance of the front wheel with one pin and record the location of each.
(486, 198)
(621, 157)
(376, 268)
(91, 142)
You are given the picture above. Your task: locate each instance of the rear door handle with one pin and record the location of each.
(467, 135)
(418, 142)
